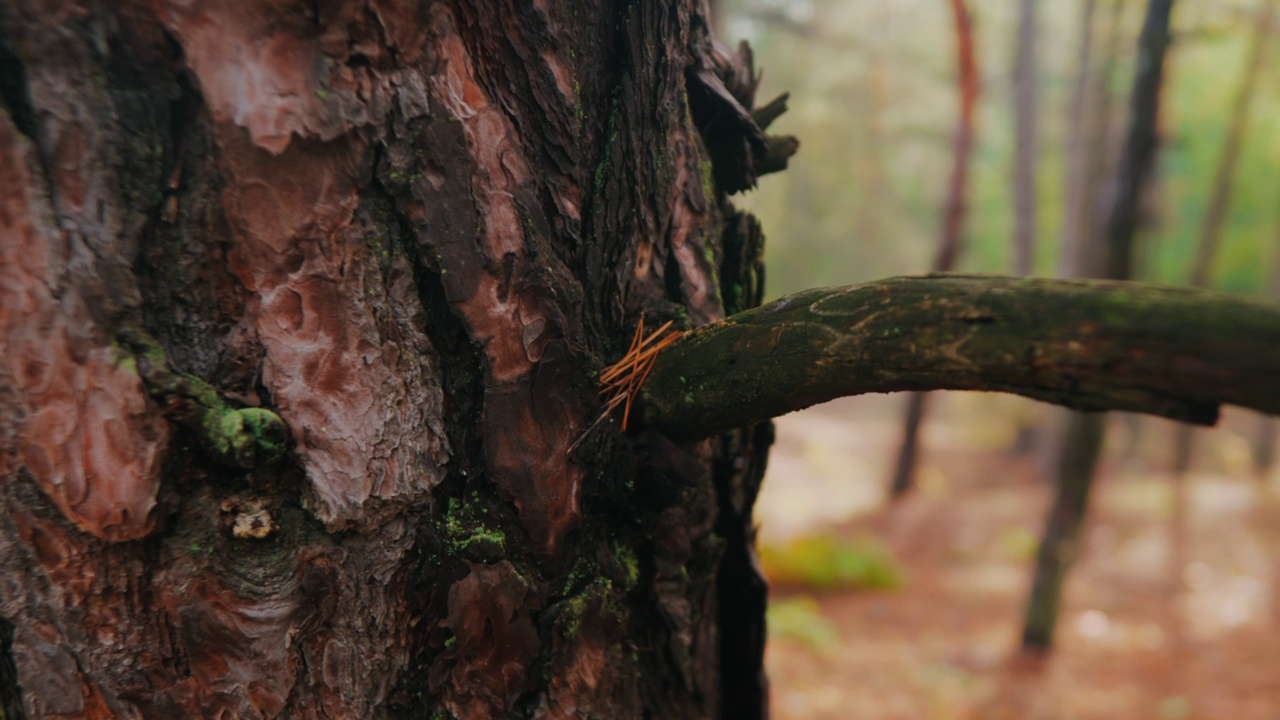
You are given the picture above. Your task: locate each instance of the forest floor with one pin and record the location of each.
(1137, 637)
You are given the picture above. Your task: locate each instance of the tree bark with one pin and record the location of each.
(952, 235)
(1137, 157)
(1086, 344)
(1060, 544)
(401, 239)
(304, 307)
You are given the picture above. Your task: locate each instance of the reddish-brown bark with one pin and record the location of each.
(92, 439)
(957, 186)
(411, 232)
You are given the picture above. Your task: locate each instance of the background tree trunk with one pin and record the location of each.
(1077, 190)
(1083, 438)
(411, 233)
(952, 234)
(1088, 160)
(1219, 205)
(1025, 110)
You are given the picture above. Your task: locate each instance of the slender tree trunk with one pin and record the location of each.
(904, 475)
(303, 305)
(1088, 152)
(949, 244)
(1024, 163)
(1083, 437)
(1027, 418)
(1078, 188)
(1216, 212)
(1060, 544)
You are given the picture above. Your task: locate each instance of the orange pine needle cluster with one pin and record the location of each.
(621, 381)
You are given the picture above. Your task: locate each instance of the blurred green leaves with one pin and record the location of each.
(800, 620)
(873, 104)
(827, 561)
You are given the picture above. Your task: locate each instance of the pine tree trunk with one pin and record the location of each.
(302, 310)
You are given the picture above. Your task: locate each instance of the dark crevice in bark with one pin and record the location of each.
(143, 99)
(464, 374)
(742, 270)
(10, 693)
(15, 95)
(440, 555)
(721, 94)
(606, 208)
(741, 589)
(15, 98)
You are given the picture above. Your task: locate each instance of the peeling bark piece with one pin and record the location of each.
(494, 643)
(286, 70)
(735, 142)
(367, 423)
(764, 116)
(89, 435)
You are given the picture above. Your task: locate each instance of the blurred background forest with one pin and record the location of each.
(915, 608)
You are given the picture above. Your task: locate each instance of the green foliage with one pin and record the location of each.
(1019, 542)
(800, 620)
(828, 561)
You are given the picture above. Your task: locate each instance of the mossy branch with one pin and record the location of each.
(1085, 344)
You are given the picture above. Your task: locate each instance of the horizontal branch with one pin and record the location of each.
(1085, 344)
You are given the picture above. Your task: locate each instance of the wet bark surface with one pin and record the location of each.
(410, 235)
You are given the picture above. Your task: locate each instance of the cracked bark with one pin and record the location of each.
(411, 233)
